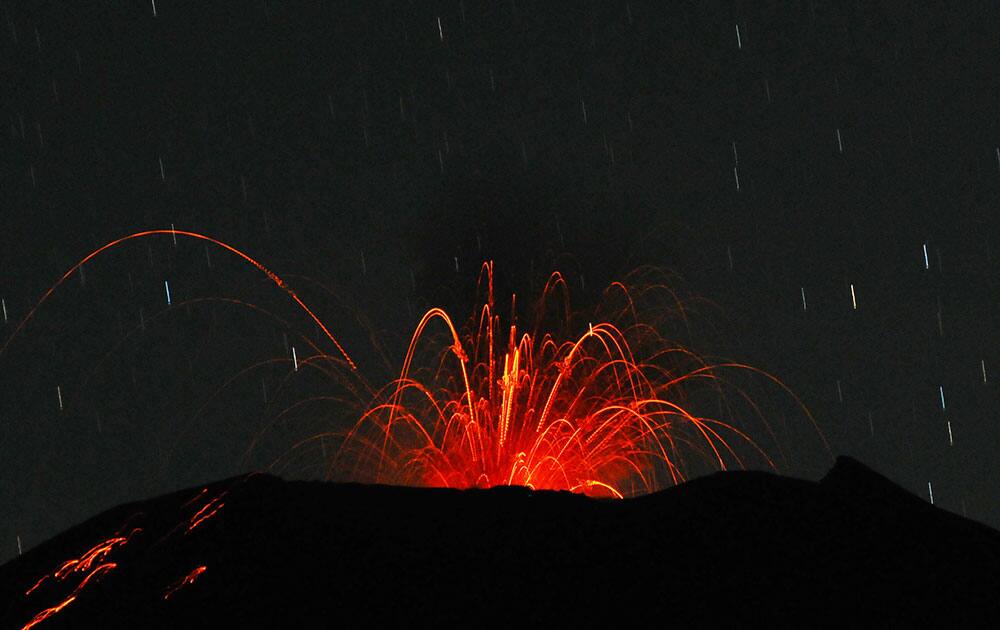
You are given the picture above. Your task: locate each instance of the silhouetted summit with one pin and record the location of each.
(850, 475)
(735, 547)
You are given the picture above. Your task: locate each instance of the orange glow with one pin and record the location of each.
(90, 565)
(607, 407)
(174, 233)
(48, 612)
(97, 572)
(605, 412)
(185, 581)
(602, 409)
(206, 512)
(95, 554)
(94, 574)
(200, 494)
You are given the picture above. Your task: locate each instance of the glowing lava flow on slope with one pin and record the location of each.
(602, 412)
(84, 568)
(93, 565)
(187, 580)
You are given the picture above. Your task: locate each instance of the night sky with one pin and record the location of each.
(775, 156)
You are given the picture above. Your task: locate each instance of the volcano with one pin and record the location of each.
(732, 547)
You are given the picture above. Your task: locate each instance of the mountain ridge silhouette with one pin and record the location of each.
(731, 547)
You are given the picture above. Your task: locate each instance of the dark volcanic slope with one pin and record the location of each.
(733, 546)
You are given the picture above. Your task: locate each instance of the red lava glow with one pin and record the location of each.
(601, 412)
(609, 407)
(92, 566)
(206, 512)
(174, 233)
(48, 612)
(184, 581)
(81, 565)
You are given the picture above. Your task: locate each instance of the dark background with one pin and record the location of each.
(359, 153)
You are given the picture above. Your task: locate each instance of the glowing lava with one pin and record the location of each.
(93, 565)
(184, 581)
(602, 412)
(609, 408)
(89, 567)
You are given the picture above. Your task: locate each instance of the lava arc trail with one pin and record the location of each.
(603, 412)
(609, 408)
